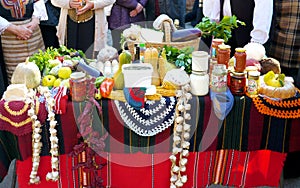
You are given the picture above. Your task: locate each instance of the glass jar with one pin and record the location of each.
(214, 48)
(199, 83)
(223, 54)
(199, 61)
(78, 86)
(240, 59)
(253, 82)
(238, 83)
(219, 78)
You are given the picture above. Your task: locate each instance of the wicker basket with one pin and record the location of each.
(167, 37)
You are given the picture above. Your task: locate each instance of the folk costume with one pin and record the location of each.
(20, 12)
(87, 32)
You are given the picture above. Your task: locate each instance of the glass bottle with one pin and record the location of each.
(137, 54)
(219, 78)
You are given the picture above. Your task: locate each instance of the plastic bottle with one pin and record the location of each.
(142, 52)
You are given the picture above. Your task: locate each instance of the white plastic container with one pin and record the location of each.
(200, 61)
(137, 75)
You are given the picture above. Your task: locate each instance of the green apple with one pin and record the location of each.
(57, 82)
(48, 80)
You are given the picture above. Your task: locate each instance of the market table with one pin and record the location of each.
(246, 149)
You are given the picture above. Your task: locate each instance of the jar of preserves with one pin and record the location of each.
(199, 83)
(219, 78)
(253, 82)
(223, 54)
(214, 47)
(240, 59)
(78, 86)
(238, 83)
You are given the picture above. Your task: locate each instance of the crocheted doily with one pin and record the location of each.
(155, 117)
(285, 108)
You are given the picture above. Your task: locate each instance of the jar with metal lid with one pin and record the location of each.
(223, 54)
(238, 83)
(219, 78)
(214, 47)
(253, 82)
(199, 83)
(78, 86)
(240, 59)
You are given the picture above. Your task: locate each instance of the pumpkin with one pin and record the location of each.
(27, 73)
(151, 57)
(124, 58)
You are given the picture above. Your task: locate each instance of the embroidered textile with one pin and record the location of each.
(14, 117)
(155, 117)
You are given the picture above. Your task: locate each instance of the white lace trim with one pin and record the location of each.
(156, 122)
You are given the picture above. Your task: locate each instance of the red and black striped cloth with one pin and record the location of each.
(244, 129)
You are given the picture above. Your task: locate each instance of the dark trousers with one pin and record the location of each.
(49, 36)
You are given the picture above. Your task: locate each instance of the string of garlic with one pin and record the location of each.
(36, 137)
(181, 137)
(50, 103)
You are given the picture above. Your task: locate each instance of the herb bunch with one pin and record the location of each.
(220, 29)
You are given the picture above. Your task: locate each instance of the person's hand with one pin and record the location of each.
(137, 10)
(88, 6)
(33, 24)
(75, 3)
(21, 31)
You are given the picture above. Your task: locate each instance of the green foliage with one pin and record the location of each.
(41, 58)
(180, 57)
(221, 29)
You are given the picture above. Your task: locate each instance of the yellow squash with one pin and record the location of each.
(124, 58)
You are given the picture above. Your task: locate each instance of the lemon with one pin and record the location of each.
(57, 82)
(64, 72)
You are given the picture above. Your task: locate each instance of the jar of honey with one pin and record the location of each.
(214, 47)
(253, 82)
(238, 83)
(223, 54)
(240, 59)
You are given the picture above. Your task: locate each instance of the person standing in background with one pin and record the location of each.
(83, 25)
(48, 27)
(285, 38)
(257, 14)
(123, 13)
(175, 9)
(20, 34)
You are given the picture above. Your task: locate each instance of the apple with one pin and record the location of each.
(48, 80)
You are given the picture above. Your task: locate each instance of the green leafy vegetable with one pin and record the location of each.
(180, 57)
(221, 29)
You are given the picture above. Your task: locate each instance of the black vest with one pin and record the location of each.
(243, 10)
(7, 10)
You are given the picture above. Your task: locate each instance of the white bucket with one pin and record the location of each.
(137, 75)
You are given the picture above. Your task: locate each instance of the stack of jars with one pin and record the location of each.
(219, 69)
(199, 77)
(237, 83)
